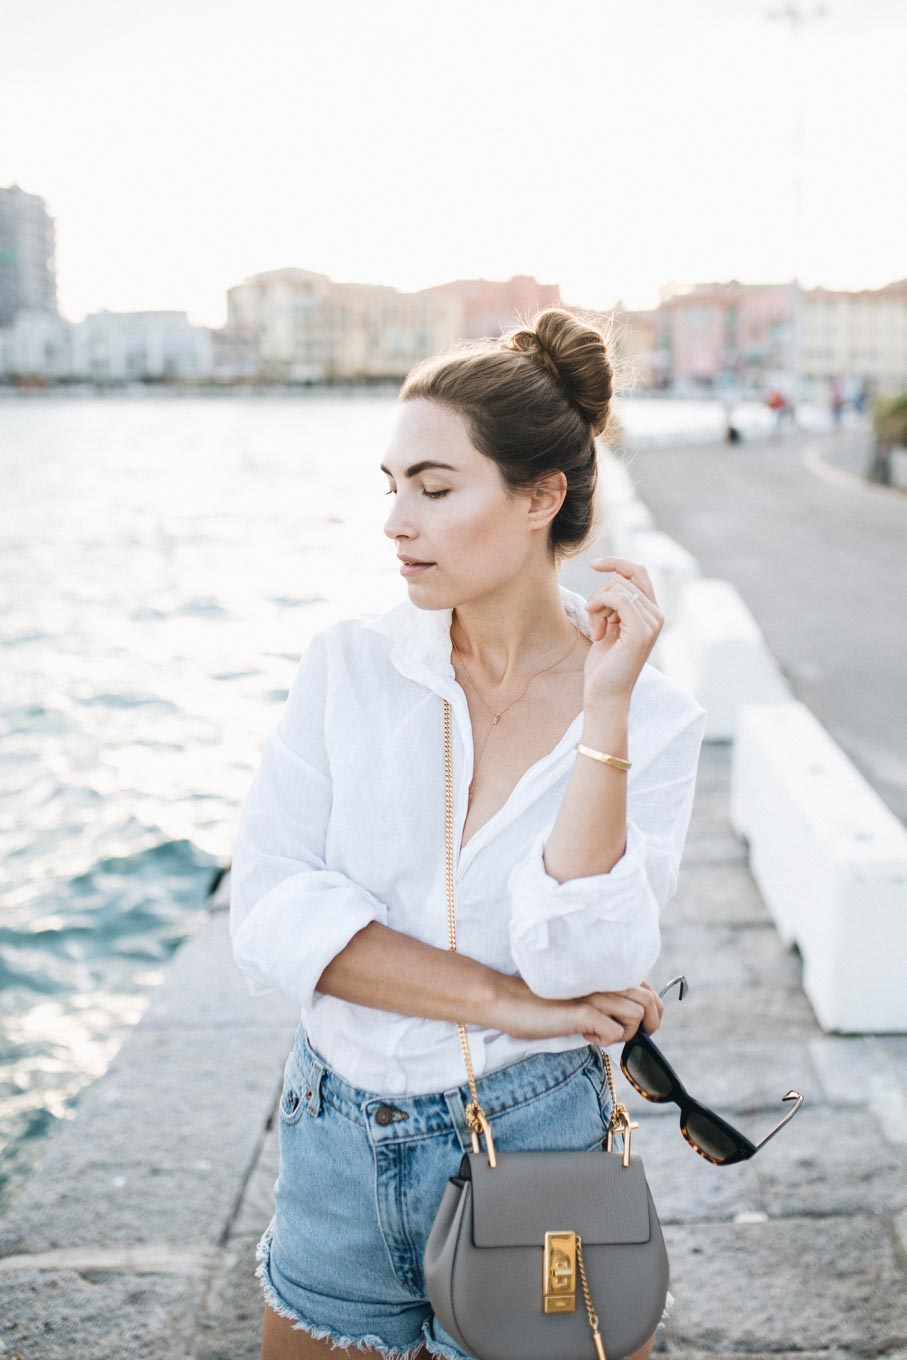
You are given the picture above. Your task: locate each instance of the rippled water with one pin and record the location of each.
(164, 562)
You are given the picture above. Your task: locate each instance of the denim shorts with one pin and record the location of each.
(361, 1176)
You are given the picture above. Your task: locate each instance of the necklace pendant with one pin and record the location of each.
(496, 716)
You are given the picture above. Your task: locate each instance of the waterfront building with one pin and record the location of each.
(490, 306)
(300, 326)
(28, 276)
(713, 333)
(137, 346)
(857, 336)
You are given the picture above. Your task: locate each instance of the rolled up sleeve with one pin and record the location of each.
(289, 913)
(601, 932)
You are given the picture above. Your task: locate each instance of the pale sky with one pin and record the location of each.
(607, 147)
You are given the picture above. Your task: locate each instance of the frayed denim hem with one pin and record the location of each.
(338, 1340)
(439, 1348)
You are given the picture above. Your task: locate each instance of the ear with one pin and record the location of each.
(546, 499)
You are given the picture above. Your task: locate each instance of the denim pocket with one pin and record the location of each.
(566, 1116)
(292, 1098)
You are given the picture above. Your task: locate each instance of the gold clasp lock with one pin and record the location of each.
(621, 1123)
(559, 1273)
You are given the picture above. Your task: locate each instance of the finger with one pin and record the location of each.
(606, 1033)
(650, 1018)
(624, 1008)
(660, 1005)
(633, 571)
(647, 999)
(629, 588)
(616, 598)
(600, 1028)
(627, 1008)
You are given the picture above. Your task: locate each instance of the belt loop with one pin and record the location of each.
(312, 1069)
(457, 1112)
(312, 1093)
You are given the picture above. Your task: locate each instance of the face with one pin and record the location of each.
(459, 517)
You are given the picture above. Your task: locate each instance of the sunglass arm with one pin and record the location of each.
(791, 1095)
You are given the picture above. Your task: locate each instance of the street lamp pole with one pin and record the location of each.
(794, 14)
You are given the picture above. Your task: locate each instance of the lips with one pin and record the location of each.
(414, 562)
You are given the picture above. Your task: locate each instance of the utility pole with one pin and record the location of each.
(794, 14)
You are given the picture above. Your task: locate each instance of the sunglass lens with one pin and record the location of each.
(711, 1137)
(648, 1073)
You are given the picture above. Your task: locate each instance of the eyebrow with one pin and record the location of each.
(420, 467)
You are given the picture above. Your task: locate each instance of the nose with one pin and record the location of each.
(396, 526)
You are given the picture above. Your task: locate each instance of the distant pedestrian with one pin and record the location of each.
(731, 431)
(777, 402)
(836, 401)
(862, 395)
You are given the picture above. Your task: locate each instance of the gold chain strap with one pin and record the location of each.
(592, 1315)
(475, 1115)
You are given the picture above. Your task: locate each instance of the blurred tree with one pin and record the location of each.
(889, 423)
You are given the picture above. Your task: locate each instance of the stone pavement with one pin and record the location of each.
(136, 1237)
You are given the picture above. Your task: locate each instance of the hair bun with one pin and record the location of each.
(576, 355)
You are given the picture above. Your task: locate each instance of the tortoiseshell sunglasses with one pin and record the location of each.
(649, 1072)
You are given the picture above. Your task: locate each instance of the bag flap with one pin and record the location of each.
(530, 1193)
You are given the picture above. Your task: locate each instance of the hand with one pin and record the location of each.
(623, 630)
(600, 1017)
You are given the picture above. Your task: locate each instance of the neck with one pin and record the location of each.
(512, 633)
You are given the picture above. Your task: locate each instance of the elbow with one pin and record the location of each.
(606, 957)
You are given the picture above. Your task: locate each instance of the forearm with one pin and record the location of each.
(589, 833)
(391, 971)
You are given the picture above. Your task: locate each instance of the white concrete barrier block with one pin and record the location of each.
(830, 860)
(623, 521)
(615, 482)
(716, 649)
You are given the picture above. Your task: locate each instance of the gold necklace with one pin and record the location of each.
(497, 716)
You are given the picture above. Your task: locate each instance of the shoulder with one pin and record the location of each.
(355, 635)
(350, 648)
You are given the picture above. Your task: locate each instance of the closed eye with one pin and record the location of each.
(432, 495)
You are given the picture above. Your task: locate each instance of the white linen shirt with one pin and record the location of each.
(344, 824)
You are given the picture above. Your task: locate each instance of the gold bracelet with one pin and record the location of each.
(617, 761)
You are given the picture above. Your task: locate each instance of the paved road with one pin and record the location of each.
(820, 558)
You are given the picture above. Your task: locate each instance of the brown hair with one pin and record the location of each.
(534, 400)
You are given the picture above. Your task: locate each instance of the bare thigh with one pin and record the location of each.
(281, 1341)
(644, 1351)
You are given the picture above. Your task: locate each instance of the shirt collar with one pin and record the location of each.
(421, 637)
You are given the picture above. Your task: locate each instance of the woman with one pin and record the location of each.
(563, 861)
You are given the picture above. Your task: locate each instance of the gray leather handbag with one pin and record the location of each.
(517, 1234)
